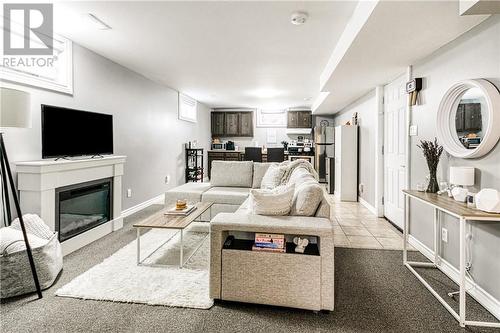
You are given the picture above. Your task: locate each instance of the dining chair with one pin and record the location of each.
(253, 154)
(275, 154)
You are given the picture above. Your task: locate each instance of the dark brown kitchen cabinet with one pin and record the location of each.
(473, 120)
(459, 118)
(246, 123)
(293, 119)
(468, 117)
(217, 123)
(299, 119)
(230, 156)
(304, 119)
(232, 124)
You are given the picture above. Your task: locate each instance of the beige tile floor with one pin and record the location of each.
(356, 227)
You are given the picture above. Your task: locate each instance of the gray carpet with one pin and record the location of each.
(374, 293)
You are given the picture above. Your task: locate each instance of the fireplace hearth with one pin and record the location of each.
(81, 207)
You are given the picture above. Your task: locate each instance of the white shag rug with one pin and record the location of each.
(118, 278)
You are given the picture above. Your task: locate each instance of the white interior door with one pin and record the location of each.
(395, 100)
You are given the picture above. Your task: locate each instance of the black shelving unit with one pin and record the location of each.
(246, 245)
(194, 165)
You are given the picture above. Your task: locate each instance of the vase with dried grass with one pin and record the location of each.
(432, 152)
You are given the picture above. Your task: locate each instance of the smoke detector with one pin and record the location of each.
(298, 18)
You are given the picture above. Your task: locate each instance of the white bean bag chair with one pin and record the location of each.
(15, 272)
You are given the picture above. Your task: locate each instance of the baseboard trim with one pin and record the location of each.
(479, 294)
(160, 199)
(367, 205)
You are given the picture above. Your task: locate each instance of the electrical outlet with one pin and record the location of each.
(444, 235)
(167, 179)
(361, 188)
(129, 193)
(413, 130)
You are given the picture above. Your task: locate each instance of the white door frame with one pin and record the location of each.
(380, 178)
(409, 76)
(379, 156)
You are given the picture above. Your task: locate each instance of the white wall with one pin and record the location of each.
(475, 54)
(146, 128)
(367, 109)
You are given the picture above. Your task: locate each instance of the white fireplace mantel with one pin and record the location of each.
(38, 181)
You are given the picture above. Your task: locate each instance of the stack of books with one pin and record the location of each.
(181, 212)
(269, 243)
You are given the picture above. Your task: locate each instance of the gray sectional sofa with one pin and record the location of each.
(282, 279)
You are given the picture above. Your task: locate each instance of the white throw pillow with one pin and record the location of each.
(306, 199)
(272, 177)
(259, 170)
(275, 202)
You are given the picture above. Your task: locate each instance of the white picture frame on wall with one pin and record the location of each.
(271, 118)
(188, 108)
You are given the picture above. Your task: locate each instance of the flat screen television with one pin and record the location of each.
(68, 132)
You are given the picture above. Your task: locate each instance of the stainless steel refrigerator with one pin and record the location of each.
(324, 147)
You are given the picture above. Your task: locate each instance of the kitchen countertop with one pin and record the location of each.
(234, 151)
(263, 153)
(225, 151)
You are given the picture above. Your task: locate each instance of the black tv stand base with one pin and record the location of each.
(71, 158)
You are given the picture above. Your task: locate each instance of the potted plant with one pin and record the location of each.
(432, 152)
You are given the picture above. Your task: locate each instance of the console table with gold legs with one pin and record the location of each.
(465, 215)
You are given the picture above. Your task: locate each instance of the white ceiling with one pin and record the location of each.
(393, 36)
(223, 54)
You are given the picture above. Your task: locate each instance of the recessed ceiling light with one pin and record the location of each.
(100, 24)
(299, 18)
(307, 99)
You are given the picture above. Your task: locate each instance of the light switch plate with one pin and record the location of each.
(413, 130)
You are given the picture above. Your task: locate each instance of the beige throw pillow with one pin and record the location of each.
(275, 202)
(272, 177)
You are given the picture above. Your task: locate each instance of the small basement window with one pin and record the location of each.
(187, 108)
(52, 72)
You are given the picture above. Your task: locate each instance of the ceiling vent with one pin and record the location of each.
(98, 23)
(299, 18)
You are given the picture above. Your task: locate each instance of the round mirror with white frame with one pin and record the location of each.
(468, 119)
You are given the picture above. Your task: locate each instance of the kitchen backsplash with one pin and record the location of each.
(260, 138)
